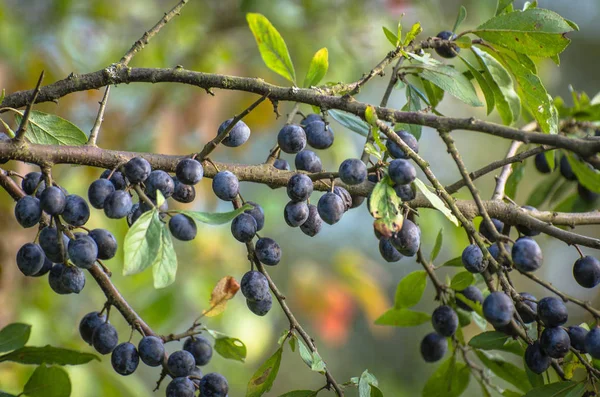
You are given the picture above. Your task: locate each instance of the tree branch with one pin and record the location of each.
(118, 74)
(99, 118)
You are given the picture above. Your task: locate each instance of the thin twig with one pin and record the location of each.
(20, 134)
(99, 119)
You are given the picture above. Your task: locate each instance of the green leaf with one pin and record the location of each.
(586, 175)
(164, 267)
(462, 280)
(2, 394)
(49, 129)
(142, 243)
(262, 380)
(536, 32)
(451, 81)
(415, 30)
(410, 289)
(293, 342)
(506, 99)
(300, 393)
(478, 318)
(455, 262)
(534, 96)
(503, 5)
(384, 205)
(317, 68)
(271, 45)
(543, 189)
(505, 370)
(511, 393)
(550, 158)
(558, 389)
(402, 318)
(48, 382)
(392, 38)
(232, 348)
(350, 121)
(434, 93)
(518, 171)
(48, 355)
(483, 84)
(437, 246)
(14, 336)
(413, 104)
(372, 150)
(213, 218)
(462, 14)
(449, 380)
(371, 116)
(305, 354)
(536, 380)
(366, 385)
(435, 201)
(494, 340)
(476, 306)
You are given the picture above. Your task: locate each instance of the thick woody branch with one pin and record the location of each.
(118, 74)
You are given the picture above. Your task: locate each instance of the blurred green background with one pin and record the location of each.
(336, 283)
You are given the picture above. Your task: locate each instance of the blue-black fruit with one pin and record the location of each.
(565, 169)
(83, 252)
(527, 231)
(291, 138)
(541, 164)
(529, 301)
(189, 171)
(151, 350)
(312, 226)
(257, 213)
(592, 343)
(254, 286)
(577, 336)
(527, 254)
(402, 172)
(200, 349)
(137, 170)
(226, 185)
(433, 347)
(77, 211)
(213, 385)
(307, 160)
(98, 191)
(353, 171)
(318, 134)
(183, 193)
(106, 243)
(388, 251)
(30, 259)
(299, 187)
(408, 239)
(444, 320)
(331, 208)
(237, 136)
(268, 251)
(552, 311)
(394, 149)
(118, 204)
(183, 227)
(447, 50)
(105, 338)
(536, 359)
(472, 259)
(88, 325)
(244, 227)
(586, 271)
(180, 363)
(125, 359)
(28, 211)
(555, 342)
(117, 179)
(487, 233)
(181, 387)
(53, 200)
(498, 309)
(159, 180)
(295, 213)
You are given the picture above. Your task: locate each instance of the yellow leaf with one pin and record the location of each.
(225, 289)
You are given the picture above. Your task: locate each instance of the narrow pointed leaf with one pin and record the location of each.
(164, 267)
(317, 68)
(49, 355)
(392, 38)
(505, 370)
(435, 201)
(271, 45)
(462, 14)
(558, 389)
(483, 84)
(350, 121)
(403, 318)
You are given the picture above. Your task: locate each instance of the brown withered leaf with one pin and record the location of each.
(225, 289)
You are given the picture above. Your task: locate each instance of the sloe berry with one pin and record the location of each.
(106, 243)
(541, 164)
(77, 211)
(388, 251)
(526, 254)
(53, 200)
(134, 213)
(402, 172)
(199, 349)
(189, 171)
(125, 359)
(237, 136)
(117, 179)
(254, 286)
(310, 118)
(45, 267)
(159, 180)
(295, 213)
(433, 347)
(83, 252)
(181, 363)
(331, 208)
(118, 204)
(183, 193)
(281, 164)
(318, 134)
(181, 387)
(552, 311)
(586, 271)
(244, 227)
(536, 359)
(213, 385)
(405, 192)
(105, 338)
(226, 185)
(30, 259)
(151, 350)
(408, 239)
(473, 294)
(494, 251)
(137, 170)
(66, 279)
(98, 191)
(307, 160)
(472, 259)
(498, 309)
(555, 342)
(565, 169)
(51, 246)
(577, 336)
(313, 223)
(487, 233)
(268, 251)
(28, 211)
(592, 343)
(344, 195)
(257, 213)
(183, 227)
(195, 376)
(260, 308)
(529, 300)
(291, 138)
(444, 320)
(447, 50)
(394, 149)
(31, 181)
(353, 171)
(299, 187)
(88, 324)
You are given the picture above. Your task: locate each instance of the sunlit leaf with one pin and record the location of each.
(49, 129)
(410, 289)
(262, 380)
(317, 68)
(225, 290)
(435, 201)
